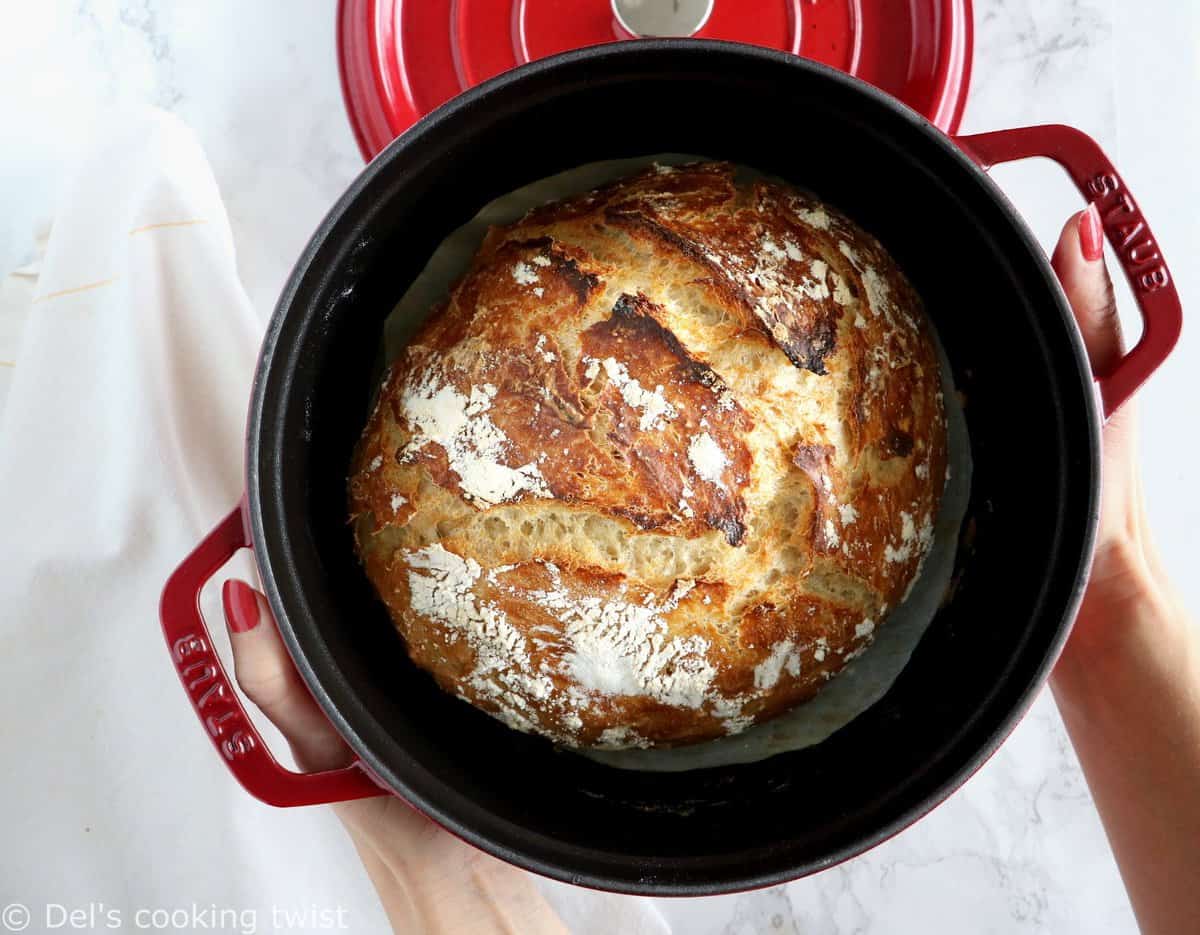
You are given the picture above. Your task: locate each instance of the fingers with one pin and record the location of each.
(266, 674)
(1079, 262)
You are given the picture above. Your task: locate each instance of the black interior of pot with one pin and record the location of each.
(1015, 357)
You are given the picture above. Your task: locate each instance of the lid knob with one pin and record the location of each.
(649, 18)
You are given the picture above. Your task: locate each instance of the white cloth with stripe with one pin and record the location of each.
(126, 354)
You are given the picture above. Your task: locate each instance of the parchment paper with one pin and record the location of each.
(867, 678)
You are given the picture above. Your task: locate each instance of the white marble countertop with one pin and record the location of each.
(1019, 848)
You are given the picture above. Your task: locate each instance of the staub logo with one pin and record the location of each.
(212, 695)
(1126, 228)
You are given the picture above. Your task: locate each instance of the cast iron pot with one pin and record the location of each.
(1031, 405)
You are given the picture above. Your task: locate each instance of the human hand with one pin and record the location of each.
(428, 880)
(1126, 568)
(1128, 681)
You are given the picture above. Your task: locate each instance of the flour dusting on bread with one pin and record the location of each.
(474, 445)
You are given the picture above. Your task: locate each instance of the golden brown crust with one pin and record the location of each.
(660, 465)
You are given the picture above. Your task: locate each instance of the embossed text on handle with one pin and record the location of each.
(212, 696)
(1128, 232)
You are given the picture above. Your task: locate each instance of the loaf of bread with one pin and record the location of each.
(659, 466)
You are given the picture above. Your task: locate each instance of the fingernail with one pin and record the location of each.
(1091, 236)
(241, 605)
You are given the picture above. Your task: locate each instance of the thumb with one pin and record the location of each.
(1079, 262)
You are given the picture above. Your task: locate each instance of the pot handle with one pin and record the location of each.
(1126, 230)
(214, 699)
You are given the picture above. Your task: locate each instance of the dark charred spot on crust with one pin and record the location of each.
(899, 443)
(808, 348)
(706, 376)
(640, 518)
(639, 311)
(733, 528)
(580, 282)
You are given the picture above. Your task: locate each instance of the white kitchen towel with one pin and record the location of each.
(126, 356)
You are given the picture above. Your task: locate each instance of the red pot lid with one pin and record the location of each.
(400, 59)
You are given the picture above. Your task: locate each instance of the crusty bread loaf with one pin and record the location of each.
(660, 465)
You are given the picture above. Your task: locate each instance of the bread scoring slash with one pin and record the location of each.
(659, 466)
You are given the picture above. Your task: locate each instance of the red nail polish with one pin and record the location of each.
(1091, 236)
(241, 605)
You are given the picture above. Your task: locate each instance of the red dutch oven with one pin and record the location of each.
(1033, 413)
